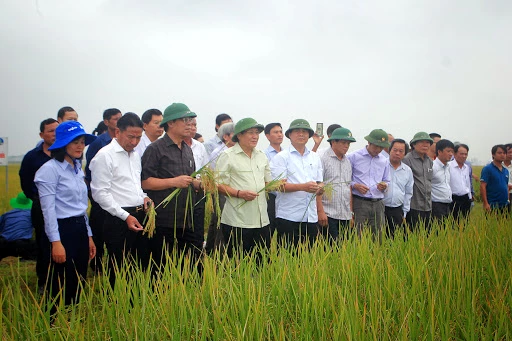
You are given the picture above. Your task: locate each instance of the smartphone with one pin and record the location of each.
(320, 129)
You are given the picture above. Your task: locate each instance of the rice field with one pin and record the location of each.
(453, 284)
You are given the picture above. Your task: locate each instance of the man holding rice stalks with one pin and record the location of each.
(296, 206)
(370, 178)
(167, 164)
(244, 173)
(335, 212)
(116, 187)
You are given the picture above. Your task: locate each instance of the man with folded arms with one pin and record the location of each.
(116, 187)
(370, 178)
(460, 182)
(441, 190)
(397, 199)
(421, 166)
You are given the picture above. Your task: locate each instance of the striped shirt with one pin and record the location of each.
(338, 173)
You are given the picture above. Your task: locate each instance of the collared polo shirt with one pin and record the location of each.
(338, 173)
(460, 179)
(241, 172)
(163, 159)
(497, 185)
(63, 194)
(400, 189)
(422, 171)
(31, 163)
(369, 171)
(116, 179)
(297, 206)
(441, 190)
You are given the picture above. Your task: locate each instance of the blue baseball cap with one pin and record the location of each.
(67, 132)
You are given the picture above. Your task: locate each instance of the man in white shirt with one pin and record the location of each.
(116, 187)
(441, 190)
(296, 207)
(198, 149)
(397, 198)
(151, 120)
(274, 135)
(460, 182)
(216, 141)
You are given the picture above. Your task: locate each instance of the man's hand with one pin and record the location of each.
(322, 219)
(361, 188)
(311, 187)
(133, 224)
(92, 248)
(147, 203)
(381, 186)
(58, 252)
(487, 207)
(182, 181)
(247, 195)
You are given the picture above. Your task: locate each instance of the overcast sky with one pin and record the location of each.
(400, 65)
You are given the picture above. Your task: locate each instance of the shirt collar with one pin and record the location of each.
(292, 149)
(439, 163)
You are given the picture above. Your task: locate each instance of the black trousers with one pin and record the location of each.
(461, 206)
(166, 240)
(394, 219)
(96, 221)
(43, 257)
(215, 238)
(291, 232)
(415, 218)
(245, 239)
(68, 275)
(336, 229)
(124, 244)
(271, 211)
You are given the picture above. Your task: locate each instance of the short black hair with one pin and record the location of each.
(62, 111)
(508, 146)
(100, 129)
(332, 128)
(148, 115)
(458, 145)
(129, 119)
(271, 126)
(59, 154)
(495, 148)
(443, 144)
(399, 141)
(45, 123)
(197, 136)
(220, 118)
(432, 135)
(107, 114)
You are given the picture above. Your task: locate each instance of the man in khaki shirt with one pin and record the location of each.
(243, 172)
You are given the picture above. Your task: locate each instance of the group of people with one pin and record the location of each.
(139, 161)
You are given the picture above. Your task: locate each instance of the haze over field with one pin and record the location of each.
(399, 65)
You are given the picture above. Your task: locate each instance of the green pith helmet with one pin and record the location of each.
(421, 136)
(342, 134)
(176, 111)
(378, 137)
(299, 124)
(246, 124)
(21, 202)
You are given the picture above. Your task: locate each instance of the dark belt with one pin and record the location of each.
(465, 196)
(367, 199)
(134, 209)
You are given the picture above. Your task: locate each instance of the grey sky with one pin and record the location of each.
(403, 66)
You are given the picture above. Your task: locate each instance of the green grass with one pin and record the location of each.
(455, 284)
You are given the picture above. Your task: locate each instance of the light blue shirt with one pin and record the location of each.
(270, 152)
(215, 155)
(213, 144)
(369, 171)
(297, 206)
(400, 189)
(63, 194)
